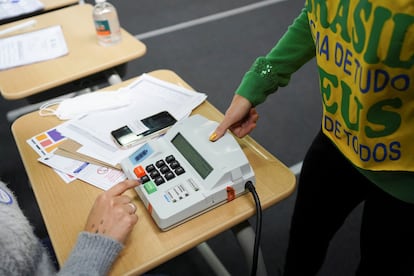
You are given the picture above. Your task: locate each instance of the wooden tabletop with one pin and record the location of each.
(86, 56)
(65, 206)
(55, 4)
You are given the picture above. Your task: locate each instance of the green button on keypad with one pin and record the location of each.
(150, 187)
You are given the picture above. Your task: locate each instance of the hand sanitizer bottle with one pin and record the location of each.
(106, 23)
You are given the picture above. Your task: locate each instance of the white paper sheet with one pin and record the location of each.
(45, 143)
(36, 46)
(99, 176)
(14, 8)
(148, 96)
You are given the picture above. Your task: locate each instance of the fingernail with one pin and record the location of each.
(213, 137)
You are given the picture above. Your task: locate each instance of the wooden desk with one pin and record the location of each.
(65, 206)
(56, 4)
(48, 5)
(85, 56)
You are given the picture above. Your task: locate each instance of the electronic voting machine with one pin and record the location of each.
(184, 174)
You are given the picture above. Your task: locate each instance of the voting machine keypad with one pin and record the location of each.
(163, 170)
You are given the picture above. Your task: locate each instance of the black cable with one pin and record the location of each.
(249, 185)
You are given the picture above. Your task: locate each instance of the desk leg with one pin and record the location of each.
(212, 260)
(113, 77)
(245, 235)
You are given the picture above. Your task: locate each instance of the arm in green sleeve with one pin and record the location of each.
(268, 73)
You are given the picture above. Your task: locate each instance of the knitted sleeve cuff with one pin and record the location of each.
(93, 254)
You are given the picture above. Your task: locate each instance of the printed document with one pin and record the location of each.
(14, 8)
(98, 176)
(46, 143)
(31, 47)
(148, 96)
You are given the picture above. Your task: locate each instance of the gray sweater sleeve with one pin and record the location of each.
(23, 254)
(93, 254)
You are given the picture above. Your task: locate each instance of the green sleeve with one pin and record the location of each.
(294, 49)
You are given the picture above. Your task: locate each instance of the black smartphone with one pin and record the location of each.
(156, 125)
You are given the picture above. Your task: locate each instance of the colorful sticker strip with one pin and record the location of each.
(46, 142)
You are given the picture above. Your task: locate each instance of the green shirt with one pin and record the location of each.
(302, 42)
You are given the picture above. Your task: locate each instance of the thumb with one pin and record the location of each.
(219, 132)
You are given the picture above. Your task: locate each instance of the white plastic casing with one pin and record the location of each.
(189, 194)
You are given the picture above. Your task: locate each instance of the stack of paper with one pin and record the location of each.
(14, 8)
(31, 47)
(86, 142)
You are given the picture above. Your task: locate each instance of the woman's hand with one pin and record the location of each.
(240, 118)
(113, 214)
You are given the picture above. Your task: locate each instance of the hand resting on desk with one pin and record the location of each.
(93, 254)
(113, 213)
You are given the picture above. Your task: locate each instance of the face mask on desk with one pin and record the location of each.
(84, 104)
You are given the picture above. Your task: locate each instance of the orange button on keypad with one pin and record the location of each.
(139, 171)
